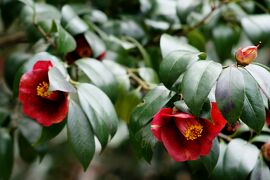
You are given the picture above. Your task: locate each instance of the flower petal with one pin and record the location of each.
(177, 146)
(43, 65)
(159, 121)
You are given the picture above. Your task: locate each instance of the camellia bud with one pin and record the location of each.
(266, 151)
(245, 56)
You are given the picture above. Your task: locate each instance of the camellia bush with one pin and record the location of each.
(188, 80)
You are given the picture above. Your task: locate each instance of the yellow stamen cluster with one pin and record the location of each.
(42, 89)
(193, 132)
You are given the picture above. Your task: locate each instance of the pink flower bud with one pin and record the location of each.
(245, 56)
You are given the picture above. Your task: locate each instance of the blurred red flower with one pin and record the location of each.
(184, 136)
(44, 106)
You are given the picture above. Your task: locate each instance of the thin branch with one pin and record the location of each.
(141, 83)
(225, 137)
(10, 39)
(46, 36)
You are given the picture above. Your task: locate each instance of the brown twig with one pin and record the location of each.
(10, 39)
(141, 83)
(225, 137)
(46, 36)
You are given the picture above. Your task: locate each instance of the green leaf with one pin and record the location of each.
(58, 81)
(99, 111)
(47, 133)
(240, 159)
(174, 64)
(211, 159)
(197, 39)
(230, 93)
(261, 138)
(224, 39)
(64, 41)
(141, 116)
(257, 27)
(217, 172)
(261, 171)
(6, 154)
(99, 75)
(27, 152)
(262, 76)
(80, 135)
(126, 103)
(71, 21)
(197, 86)
(253, 113)
(28, 3)
(148, 75)
(30, 129)
(170, 43)
(12, 65)
(97, 45)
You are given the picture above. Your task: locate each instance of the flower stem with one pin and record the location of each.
(141, 83)
(225, 137)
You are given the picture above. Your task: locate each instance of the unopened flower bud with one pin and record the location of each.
(245, 56)
(266, 151)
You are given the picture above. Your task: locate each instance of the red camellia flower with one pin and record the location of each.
(185, 136)
(44, 106)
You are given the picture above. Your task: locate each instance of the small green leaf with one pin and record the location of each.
(6, 154)
(28, 3)
(217, 172)
(261, 171)
(58, 81)
(230, 93)
(64, 41)
(261, 138)
(174, 64)
(99, 75)
(240, 159)
(197, 86)
(253, 113)
(80, 135)
(170, 43)
(197, 39)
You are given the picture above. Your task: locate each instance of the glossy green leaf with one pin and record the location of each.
(257, 27)
(217, 172)
(80, 135)
(197, 86)
(26, 150)
(261, 171)
(262, 76)
(30, 129)
(152, 103)
(58, 81)
(99, 111)
(140, 135)
(148, 75)
(47, 133)
(64, 41)
(230, 93)
(253, 112)
(170, 43)
(99, 75)
(71, 21)
(240, 159)
(174, 64)
(28, 2)
(261, 138)
(97, 45)
(211, 159)
(6, 154)
(197, 39)
(224, 38)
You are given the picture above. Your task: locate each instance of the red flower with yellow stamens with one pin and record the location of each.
(184, 136)
(44, 106)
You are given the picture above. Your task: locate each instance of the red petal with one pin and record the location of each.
(101, 56)
(159, 121)
(177, 146)
(268, 118)
(43, 65)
